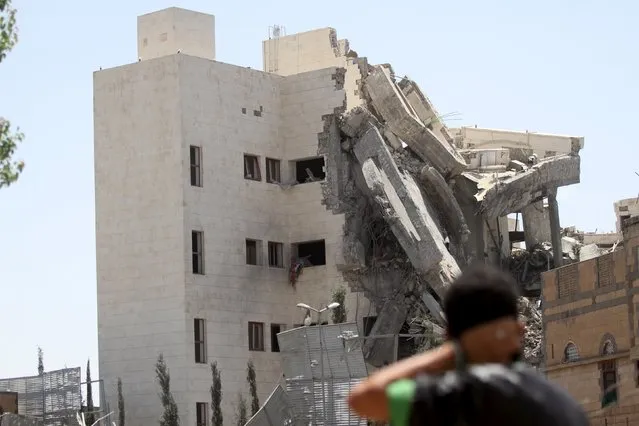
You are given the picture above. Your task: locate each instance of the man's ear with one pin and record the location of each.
(522, 328)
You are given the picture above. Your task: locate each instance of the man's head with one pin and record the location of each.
(483, 295)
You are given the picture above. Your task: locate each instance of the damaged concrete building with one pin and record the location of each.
(225, 195)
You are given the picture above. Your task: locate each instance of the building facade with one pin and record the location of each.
(591, 314)
(208, 188)
(625, 209)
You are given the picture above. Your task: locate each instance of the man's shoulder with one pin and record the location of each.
(515, 392)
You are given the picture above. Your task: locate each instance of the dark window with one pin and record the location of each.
(272, 171)
(199, 332)
(311, 170)
(201, 414)
(311, 253)
(275, 255)
(252, 167)
(623, 208)
(252, 252)
(369, 322)
(197, 247)
(609, 381)
(276, 328)
(256, 336)
(196, 166)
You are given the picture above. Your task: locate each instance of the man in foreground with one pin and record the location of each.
(474, 377)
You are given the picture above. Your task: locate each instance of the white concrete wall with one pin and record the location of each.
(147, 116)
(139, 232)
(166, 31)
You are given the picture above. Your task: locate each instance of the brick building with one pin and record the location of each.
(591, 313)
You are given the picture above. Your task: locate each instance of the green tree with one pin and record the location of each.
(9, 140)
(252, 382)
(40, 357)
(120, 403)
(170, 417)
(216, 396)
(90, 415)
(241, 414)
(339, 313)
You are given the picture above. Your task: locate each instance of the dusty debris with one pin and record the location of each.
(421, 203)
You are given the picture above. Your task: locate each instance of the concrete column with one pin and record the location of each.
(536, 221)
(555, 230)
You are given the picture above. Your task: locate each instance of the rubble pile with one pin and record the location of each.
(418, 209)
(530, 314)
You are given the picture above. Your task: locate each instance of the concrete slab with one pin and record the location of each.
(404, 208)
(513, 193)
(391, 105)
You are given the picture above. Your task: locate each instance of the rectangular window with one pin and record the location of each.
(310, 170)
(199, 334)
(272, 170)
(253, 251)
(310, 253)
(256, 336)
(197, 247)
(275, 255)
(252, 167)
(196, 165)
(201, 414)
(276, 328)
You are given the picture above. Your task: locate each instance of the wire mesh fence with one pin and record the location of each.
(53, 399)
(321, 365)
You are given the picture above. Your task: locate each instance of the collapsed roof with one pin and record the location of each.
(422, 201)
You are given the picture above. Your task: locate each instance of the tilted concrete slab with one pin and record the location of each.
(424, 109)
(435, 186)
(521, 189)
(404, 209)
(391, 105)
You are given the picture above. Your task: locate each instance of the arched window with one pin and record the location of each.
(571, 353)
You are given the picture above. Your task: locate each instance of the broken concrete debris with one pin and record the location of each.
(421, 203)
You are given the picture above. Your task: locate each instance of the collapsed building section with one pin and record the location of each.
(422, 202)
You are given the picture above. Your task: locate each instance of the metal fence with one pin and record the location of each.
(321, 365)
(54, 397)
(9, 419)
(276, 411)
(320, 370)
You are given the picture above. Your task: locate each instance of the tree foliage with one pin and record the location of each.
(40, 357)
(90, 415)
(241, 416)
(170, 416)
(252, 382)
(217, 418)
(121, 414)
(339, 313)
(9, 140)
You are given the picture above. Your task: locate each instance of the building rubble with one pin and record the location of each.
(421, 203)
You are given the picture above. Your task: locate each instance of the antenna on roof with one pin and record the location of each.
(276, 31)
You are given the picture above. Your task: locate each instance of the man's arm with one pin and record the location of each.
(369, 399)
(494, 341)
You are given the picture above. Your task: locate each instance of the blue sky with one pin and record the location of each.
(566, 67)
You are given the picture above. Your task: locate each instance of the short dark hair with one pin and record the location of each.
(480, 295)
